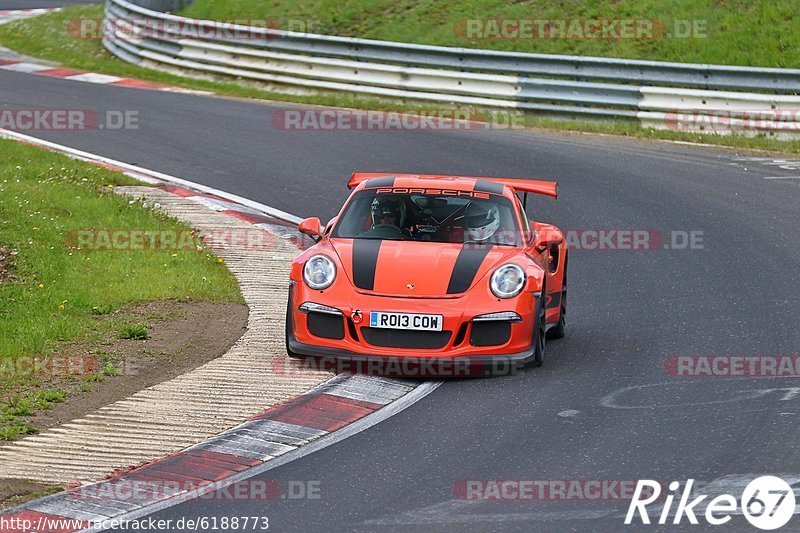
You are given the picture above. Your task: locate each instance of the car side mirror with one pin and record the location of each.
(311, 227)
(548, 239)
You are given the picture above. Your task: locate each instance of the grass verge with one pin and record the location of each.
(48, 37)
(54, 294)
(727, 32)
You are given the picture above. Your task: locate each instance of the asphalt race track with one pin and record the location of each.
(603, 407)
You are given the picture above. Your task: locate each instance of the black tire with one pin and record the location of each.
(540, 332)
(559, 331)
(289, 351)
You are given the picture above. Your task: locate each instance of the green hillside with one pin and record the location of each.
(735, 32)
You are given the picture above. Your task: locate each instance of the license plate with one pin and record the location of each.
(379, 319)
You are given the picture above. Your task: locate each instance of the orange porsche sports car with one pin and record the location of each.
(430, 268)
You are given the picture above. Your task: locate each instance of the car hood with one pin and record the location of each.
(417, 269)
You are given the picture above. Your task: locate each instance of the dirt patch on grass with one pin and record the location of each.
(6, 270)
(180, 337)
(17, 491)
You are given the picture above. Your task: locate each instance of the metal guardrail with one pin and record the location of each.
(658, 94)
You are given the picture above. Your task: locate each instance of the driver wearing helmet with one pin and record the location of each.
(481, 221)
(388, 218)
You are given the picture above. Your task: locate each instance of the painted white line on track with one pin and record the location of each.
(616, 399)
(459, 512)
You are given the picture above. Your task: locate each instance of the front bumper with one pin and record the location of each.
(410, 366)
(458, 357)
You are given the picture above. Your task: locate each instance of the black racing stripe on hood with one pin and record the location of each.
(467, 264)
(365, 259)
(385, 181)
(488, 186)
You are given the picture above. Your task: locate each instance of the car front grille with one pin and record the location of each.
(399, 338)
(326, 326)
(490, 333)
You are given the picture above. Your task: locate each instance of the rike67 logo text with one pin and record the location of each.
(767, 502)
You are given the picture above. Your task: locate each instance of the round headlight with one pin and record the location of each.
(319, 272)
(507, 281)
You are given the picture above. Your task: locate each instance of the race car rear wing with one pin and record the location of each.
(547, 188)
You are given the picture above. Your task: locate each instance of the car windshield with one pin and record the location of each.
(458, 217)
